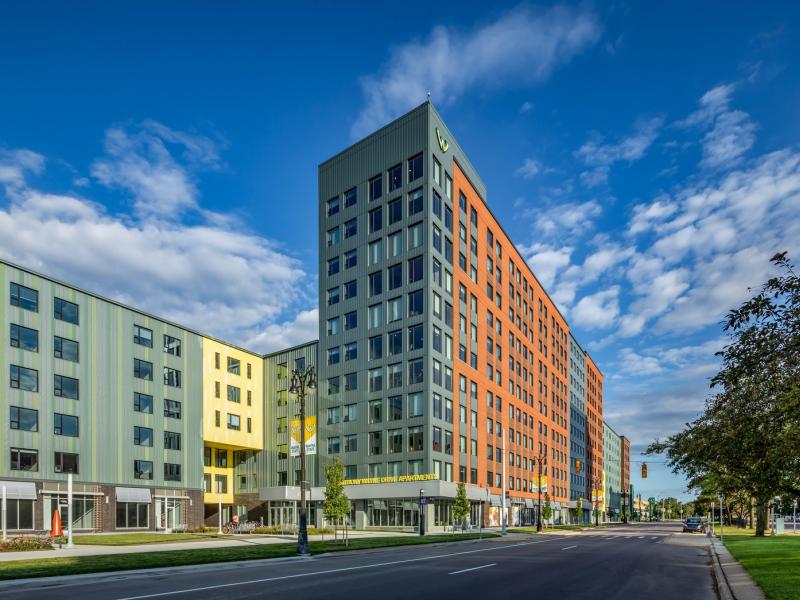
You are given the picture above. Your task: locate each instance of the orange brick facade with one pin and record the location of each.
(594, 425)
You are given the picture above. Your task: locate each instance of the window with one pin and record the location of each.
(333, 326)
(24, 338)
(375, 315)
(334, 415)
(351, 443)
(65, 462)
(394, 342)
(333, 236)
(350, 320)
(66, 425)
(65, 349)
(234, 422)
(375, 283)
(24, 460)
(221, 482)
(142, 369)
(376, 219)
(234, 366)
(333, 296)
(24, 419)
(333, 355)
(416, 405)
(332, 206)
(350, 228)
(24, 379)
(350, 259)
(333, 388)
(396, 244)
(64, 310)
(415, 439)
(375, 252)
(220, 458)
(395, 177)
(394, 309)
(462, 202)
(142, 436)
(416, 269)
(350, 197)
(436, 205)
(448, 218)
(415, 371)
(24, 297)
(375, 379)
(216, 418)
(172, 377)
(172, 472)
(437, 171)
(395, 211)
(375, 188)
(394, 275)
(350, 382)
(375, 411)
(334, 445)
(350, 289)
(172, 440)
(448, 186)
(143, 469)
(376, 347)
(143, 403)
(234, 394)
(351, 351)
(394, 441)
(415, 337)
(65, 387)
(395, 375)
(333, 265)
(172, 345)
(172, 409)
(415, 304)
(375, 442)
(415, 167)
(415, 202)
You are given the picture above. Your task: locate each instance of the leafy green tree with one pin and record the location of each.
(461, 507)
(336, 505)
(746, 440)
(579, 510)
(547, 509)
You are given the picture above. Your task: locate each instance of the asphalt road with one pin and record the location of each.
(640, 561)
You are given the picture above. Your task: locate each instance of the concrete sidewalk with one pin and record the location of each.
(733, 581)
(227, 542)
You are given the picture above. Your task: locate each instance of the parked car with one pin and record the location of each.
(693, 524)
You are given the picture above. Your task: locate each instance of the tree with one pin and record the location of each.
(336, 505)
(579, 510)
(746, 440)
(547, 510)
(461, 507)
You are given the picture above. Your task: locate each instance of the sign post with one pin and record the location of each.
(69, 511)
(422, 512)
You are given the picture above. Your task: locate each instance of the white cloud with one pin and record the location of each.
(529, 169)
(598, 310)
(526, 107)
(303, 328)
(140, 162)
(565, 218)
(525, 45)
(16, 164)
(181, 272)
(546, 261)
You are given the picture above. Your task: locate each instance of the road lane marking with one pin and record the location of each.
(329, 571)
(569, 547)
(654, 537)
(472, 569)
(641, 537)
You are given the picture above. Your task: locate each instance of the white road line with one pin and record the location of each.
(641, 537)
(654, 537)
(328, 571)
(569, 547)
(472, 569)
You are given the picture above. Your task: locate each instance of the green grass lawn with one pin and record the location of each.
(42, 567)
(131, 539)
(774, 562)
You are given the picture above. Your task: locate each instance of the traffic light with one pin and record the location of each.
(644, 470)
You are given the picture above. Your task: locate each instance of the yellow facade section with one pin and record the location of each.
(233, 409)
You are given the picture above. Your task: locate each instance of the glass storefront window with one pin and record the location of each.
(19, 514)
(392, 512)
(132, 515)
(83, 510)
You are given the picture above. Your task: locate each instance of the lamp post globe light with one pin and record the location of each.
(302, 380)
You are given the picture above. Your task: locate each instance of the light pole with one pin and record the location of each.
(596, 483)
(721, 538)
(303, 379)
(794, 516)
(422, 512)
(540, 459)
(503, 480)
(624, 495)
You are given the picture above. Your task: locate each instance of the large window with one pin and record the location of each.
(415, 202)
(24, 419)
(416, 269)
(172, 440)
(392, 513)
(395, 211)
(350, 197)
(415, 167)
(172, 345)
(395, 177)
(65, 349)
(172, 409)
(172, 472)
(415, 439)
(65, 425)
(23, 378)
(376, 283)
(24, 338)
(143, 403)
(143, 469)
(63, 310)
(65, 387)
(376, 219)
(375, 188)
(23, 459)
(234, 394)
(234, 422)
(24, 297)
(395, 276)
(142, 369)
(234, 366)
(133, 515)
(415, 303)
(142, 336)
(66, 462)
(172, 377)
(142, 436)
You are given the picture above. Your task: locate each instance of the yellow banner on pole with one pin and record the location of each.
(311, 436)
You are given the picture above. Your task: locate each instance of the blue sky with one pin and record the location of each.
(644, 157)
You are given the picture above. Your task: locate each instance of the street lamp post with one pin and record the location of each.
(596, 482)
(624, 495)
(303, 379)
(422, 512)
(539, 460)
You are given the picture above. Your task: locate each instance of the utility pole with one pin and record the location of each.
(539, 489)
(303, 379)
(503, 508)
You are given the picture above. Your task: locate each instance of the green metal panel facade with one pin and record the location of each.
(612, 465)
(105, 372)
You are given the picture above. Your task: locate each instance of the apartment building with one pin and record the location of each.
(436, 332)
(577, 430)
(612, 470)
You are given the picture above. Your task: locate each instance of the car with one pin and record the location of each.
(693, 524)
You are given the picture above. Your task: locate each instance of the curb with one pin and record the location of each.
(723, 587)
(730, 575)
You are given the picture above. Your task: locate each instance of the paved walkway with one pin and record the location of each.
(205, 544)
(736, 582)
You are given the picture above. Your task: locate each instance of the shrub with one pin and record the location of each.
(22, 544)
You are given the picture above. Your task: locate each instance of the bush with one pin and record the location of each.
(22, 544)
(277, 529)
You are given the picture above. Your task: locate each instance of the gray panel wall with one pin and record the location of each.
(577, 421)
